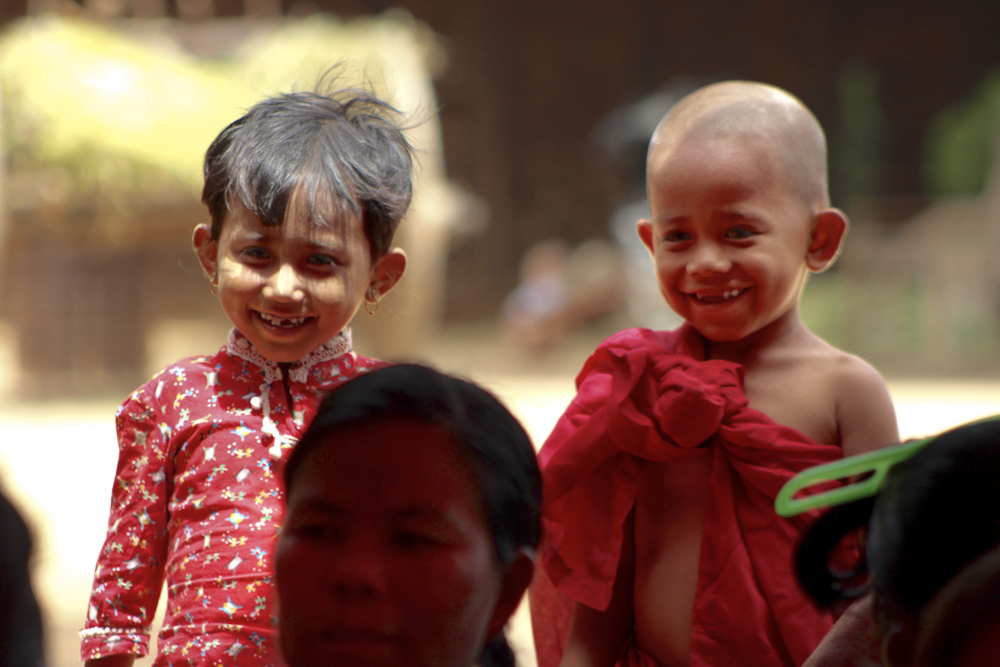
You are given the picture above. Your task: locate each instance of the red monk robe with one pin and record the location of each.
(651, 395)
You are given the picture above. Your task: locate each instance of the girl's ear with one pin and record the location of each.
(829, 227)
(515, 581)
(207, 250)
(387, 271)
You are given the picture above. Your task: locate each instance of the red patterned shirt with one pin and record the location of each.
(196, 502)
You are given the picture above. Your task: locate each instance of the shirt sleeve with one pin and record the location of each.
(129, 574)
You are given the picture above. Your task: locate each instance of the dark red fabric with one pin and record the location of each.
(646, 395)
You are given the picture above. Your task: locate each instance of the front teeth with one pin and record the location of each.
(285, 322)
(730, 294)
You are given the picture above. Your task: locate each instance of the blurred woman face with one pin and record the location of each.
(385, 557)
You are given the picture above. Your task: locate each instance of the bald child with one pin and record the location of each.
(660, 477)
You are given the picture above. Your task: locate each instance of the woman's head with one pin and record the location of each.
(937, 512)
(412, 513)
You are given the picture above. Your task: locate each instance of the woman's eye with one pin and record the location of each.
(415, 540)
(740, 233)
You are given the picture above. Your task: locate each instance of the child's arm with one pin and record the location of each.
(130, 567)
(866, 418)
(596, 637)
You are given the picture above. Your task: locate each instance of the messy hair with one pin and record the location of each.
(344, 148)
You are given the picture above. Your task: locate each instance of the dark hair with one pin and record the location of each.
(966, 610)
(345, 148)
(937, 512)
(485, 434)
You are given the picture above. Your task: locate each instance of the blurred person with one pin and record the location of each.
(305, 193)
(411, 525)
(961, 626)
(21, 636)
(936, 513)
(661, 475)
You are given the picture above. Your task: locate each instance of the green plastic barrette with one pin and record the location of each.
(877, 462)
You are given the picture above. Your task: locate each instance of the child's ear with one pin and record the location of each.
(515, 581)
(388, 270)
(207, 250)
(645, 230)
(829, 227)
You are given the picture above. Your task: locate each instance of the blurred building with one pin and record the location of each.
(526, 84)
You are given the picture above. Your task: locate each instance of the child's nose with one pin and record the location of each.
(285, 285)
(708, 259)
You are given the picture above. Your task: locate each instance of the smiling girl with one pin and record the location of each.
(305, 193)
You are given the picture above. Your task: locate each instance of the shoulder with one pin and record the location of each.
(866, 418)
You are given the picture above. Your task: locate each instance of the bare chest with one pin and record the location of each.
(805, 401)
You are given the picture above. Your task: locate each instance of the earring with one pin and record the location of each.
(372, 297)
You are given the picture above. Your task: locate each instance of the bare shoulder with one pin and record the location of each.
(865, 415)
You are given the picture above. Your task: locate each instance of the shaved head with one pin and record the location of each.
(743, 109)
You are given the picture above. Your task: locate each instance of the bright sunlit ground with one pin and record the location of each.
(57, 461)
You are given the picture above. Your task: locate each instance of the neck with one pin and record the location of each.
(748, 349)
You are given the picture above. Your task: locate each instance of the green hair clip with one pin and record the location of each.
(877, 462)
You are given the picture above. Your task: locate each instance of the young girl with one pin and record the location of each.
(305, 193)
(412, 519)
(937, 512)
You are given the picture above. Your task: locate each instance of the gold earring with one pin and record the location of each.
(372, 297)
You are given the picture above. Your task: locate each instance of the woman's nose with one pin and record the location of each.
(358, 572)
(285, 284)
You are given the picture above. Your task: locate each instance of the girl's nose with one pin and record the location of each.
(708, 259)
(285, 285)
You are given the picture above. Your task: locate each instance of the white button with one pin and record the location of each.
(255, 402)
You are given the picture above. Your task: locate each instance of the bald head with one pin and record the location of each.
(743, 109)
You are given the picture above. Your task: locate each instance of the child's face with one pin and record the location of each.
(289, 288)
(385, 557)
(728, 239)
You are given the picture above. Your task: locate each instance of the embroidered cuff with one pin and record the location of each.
(99, 642)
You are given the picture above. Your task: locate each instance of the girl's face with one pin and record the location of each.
(290, 288)
(385, 557)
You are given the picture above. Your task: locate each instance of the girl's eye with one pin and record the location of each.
(322, 260)
(740, 233)
(676, 237)
(255, 253)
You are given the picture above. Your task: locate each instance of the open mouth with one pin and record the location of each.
(714, 297)
(283, 322)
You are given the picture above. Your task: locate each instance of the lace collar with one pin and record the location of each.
(240, 346)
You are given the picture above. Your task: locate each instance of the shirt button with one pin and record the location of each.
(255, 403)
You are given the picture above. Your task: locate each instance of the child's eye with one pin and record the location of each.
(740, 233)
(255, 253)
(323, 260)
(676, 237)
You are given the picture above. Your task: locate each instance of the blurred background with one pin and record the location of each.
(534, 117)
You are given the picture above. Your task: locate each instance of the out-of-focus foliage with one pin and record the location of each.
(962, 142)
(90, 111)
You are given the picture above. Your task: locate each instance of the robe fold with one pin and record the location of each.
(652, 396)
